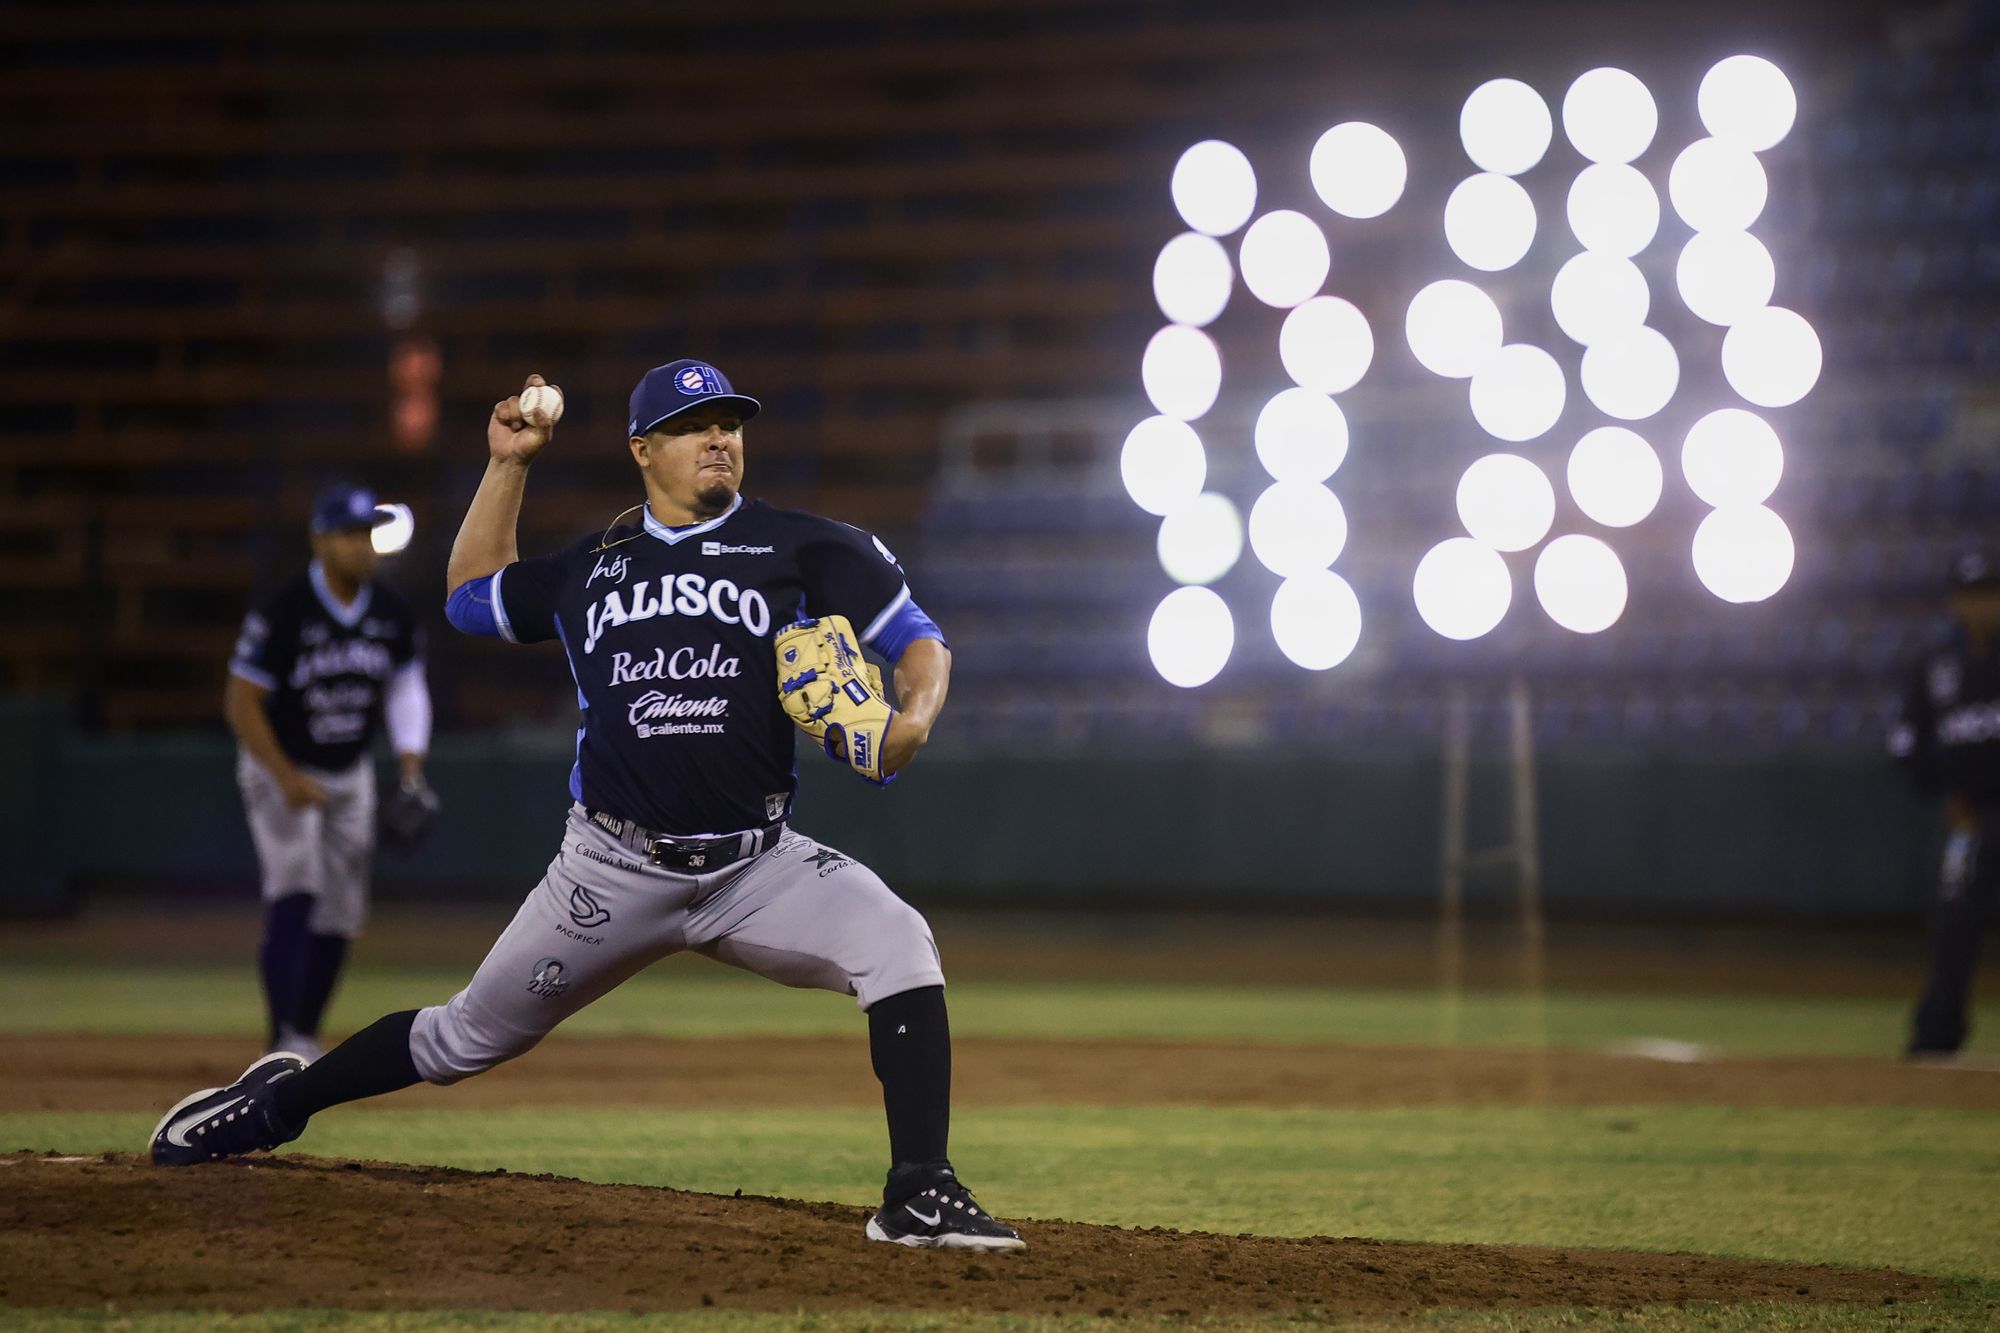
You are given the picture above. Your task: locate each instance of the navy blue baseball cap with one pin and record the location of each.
(344, 508)
(672, 389)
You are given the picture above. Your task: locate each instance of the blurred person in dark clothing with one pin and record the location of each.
(1948, 737)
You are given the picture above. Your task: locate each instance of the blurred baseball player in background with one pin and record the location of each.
(318, 669)
(692, 690)
(1949, 738)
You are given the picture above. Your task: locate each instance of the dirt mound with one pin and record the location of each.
(84, 1073)
(302, 1231)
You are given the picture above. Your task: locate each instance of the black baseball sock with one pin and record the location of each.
(373, 1061)
(281, 958)
(324, 955)
(909, 1036)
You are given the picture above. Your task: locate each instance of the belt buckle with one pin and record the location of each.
(693, 852)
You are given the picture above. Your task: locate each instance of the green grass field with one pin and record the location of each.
(687, 997)
(1911, 1188)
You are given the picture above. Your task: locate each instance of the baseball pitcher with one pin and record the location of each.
(703, 636)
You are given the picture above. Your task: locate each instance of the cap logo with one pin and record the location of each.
(698, 379)
(361, 504)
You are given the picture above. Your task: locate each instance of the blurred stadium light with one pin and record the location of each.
(1505, 127)
(1316, 619)
(1297, 528)
(1462, 589)
(1182, 372)
(1725, 276)
(1732, 457)
(1358, 170)
(1613, 209)
(1192, 279)
(1214, 187)
(1772, 357)
(394, 535)
(1284, 258)
(1452, 327)
(1632, 374)
(1301, 436)
(1506, 502)
(1596, 295)
(1325, 345)
(1190, 636)
(1743, 553)
(1609, 115)
(1489, 222)
(1614, 476)
(1748, 101)
(1717, 186)
(1201, 540)
(1163, 464)
(1518, 393)
(1580, 583)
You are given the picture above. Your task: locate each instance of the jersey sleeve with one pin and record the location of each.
(850, 573)
(1913, 740)
(265, 646)
(526, 596)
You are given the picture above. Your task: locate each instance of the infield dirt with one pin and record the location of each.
(101, 1073)
(234, 1236)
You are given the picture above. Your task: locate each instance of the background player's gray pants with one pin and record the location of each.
(322, 850)
(800, 913)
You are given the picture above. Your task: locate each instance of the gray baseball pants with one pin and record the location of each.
(322, 850)
(798, 913)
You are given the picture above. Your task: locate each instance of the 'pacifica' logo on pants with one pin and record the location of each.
(685, 595)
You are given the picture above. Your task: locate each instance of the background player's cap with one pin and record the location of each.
(342, 508)
(678, 386)
(1975, 567)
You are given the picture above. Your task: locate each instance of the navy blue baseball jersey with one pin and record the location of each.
(326, 666)
(1949, 731)
(668, 633)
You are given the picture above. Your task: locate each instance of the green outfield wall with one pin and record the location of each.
(1655, 833)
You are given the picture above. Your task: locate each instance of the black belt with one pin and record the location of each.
(697, 856)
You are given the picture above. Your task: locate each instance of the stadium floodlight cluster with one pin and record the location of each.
(1297, 527)
(1628, 371)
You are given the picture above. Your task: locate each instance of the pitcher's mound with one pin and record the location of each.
(305, 1231)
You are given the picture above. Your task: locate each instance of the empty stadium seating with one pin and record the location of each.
(874, 219)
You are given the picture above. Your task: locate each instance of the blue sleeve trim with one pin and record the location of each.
(888, 613)
(500, 607)
(894, 633)
(263, 680)
(474, 608)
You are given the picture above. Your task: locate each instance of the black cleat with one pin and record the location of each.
(227, 1122)
(943, 1216)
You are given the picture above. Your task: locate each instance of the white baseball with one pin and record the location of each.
(542, 404)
